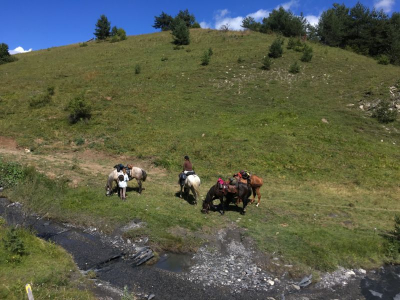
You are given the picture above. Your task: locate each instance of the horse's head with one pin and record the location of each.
(206, 207)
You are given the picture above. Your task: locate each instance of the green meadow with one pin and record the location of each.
(331, 172)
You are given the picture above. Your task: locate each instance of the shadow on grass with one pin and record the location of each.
(189, 198)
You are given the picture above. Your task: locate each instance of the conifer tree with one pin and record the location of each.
(180, 32)
(103, 26)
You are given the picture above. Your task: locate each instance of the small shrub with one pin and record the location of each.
(79, 141)
(240, 60)
(384, 112)
(13, 243)
(267, 62)
(10, 174)
(138, 69)
(114, 39)
(294, 68)
(188, 50)
(210, 51)
(84, 44)
(50, 90)
(80, 109)
(42, 99)
(293, 42)
(126, 295)
(275, 50)
(205, 59)
(383, 60)
(307, 54)
(164, 58)
(178, 47)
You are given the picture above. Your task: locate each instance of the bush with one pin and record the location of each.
(205, 59)
(210, 51)
(80, 109)
(5, 56)
(13, 243)
(84, 44)
(275, 50)
(293, 43)
(10, 174)
(307, 54)
(114, 39)
(240, 60)
(294, 68)
(138, 69)
(42, 99)
(384, 112)
(267, 62)
(383, 60)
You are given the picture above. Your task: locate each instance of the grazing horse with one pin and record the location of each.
(242, 192)
(192, 182)
(256, 183)
(135, 172)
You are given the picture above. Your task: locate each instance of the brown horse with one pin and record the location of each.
(256, 183)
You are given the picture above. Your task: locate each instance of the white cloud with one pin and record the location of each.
(259, 14)
(205, 25)
(313, 20)
(232, 23)
(19, 50)
(288, 5)
(386, 5)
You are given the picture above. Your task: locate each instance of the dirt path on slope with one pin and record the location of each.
(74, 163)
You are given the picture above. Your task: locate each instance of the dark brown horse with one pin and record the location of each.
(242, 193)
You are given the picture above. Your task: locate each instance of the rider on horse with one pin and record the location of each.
(186, 170)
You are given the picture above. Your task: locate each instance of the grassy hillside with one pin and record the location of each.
(330, 186)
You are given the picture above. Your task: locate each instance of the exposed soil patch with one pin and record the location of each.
(76, 163)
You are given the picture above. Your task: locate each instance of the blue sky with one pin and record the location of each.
(40, 24)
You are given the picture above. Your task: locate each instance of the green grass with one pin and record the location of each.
(49, 270)
(226, 116)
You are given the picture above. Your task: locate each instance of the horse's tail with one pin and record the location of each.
(144, 175)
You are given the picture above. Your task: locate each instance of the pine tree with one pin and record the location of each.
(103, 26)
(163, 22)
(180, 32)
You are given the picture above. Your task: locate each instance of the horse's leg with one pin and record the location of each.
(254, 194)
(194, 194)
(139, 182)
(259, 196)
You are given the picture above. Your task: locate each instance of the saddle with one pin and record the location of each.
(226, 188)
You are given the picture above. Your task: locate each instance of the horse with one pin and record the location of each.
(256, 183)
(192, 182)
(242, 192)
(139, 174)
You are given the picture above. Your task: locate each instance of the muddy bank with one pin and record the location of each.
(228, 267)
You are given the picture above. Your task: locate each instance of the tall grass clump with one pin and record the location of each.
(138, 69)
(42, 100)
(79, 109)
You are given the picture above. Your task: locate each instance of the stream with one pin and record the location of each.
(198, 276)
